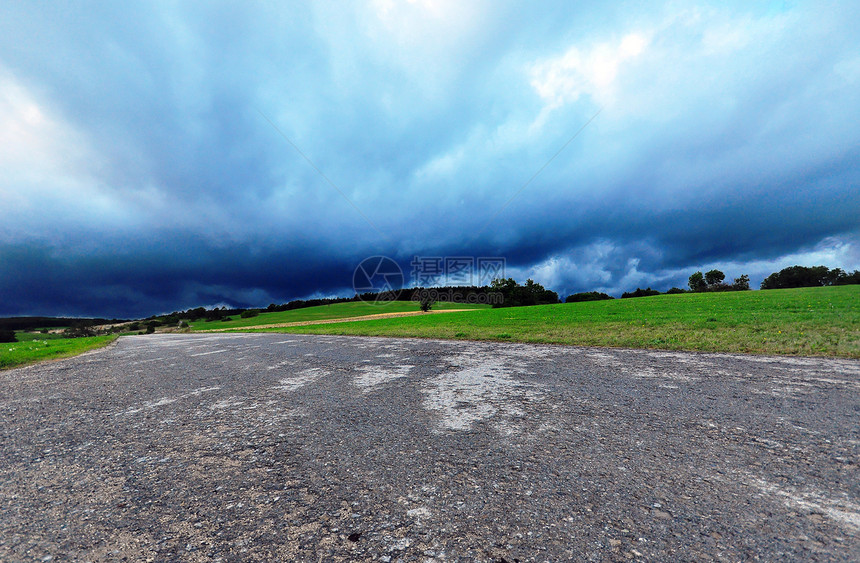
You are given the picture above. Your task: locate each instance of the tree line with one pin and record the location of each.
(714, 280)
(812, 276)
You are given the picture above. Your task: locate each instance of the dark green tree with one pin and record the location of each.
(714, 277)
(697, 282)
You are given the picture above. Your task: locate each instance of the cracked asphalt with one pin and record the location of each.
(275, 447)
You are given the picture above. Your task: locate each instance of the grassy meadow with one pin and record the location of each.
(325, 312)
(820, 321)
(35, 347)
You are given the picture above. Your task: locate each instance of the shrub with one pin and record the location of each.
(426, 304)
(249, 313)
(676, 290)
(79, 331)
(150, 327)
(8, 336)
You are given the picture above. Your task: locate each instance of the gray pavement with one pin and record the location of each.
(274, 447)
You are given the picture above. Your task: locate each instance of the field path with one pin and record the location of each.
(275, 447)
(340, 320)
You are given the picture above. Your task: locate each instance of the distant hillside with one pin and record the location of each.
(32, 323)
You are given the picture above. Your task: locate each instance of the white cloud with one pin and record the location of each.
(591, 71)
(48, 165)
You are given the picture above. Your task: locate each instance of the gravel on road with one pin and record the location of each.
(274, 447)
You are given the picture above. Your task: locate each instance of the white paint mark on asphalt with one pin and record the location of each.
(419, 514)
(281, 364)
(166, 401)
(159, 403)
(370, 377)
(146, 361)
(481, 389)
(301, 379)
(643, 372)
(207, 353)
(652, 373)
(844, 513)
(226, 404)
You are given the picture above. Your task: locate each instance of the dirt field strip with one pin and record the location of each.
(344, 320)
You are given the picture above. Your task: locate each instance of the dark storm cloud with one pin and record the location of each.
(141, 172)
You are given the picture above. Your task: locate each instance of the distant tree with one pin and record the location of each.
(587, 296)
(676, 290)
(714, 277)
(742, 283)
(426, 304)
(171, 319)
(843, 278)
(648, 292)
(194, 314)
(249, 313)
(697, 282)
(150, 327)
(215, 314)
(8, 336)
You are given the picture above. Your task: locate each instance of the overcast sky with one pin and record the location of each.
(161, 156)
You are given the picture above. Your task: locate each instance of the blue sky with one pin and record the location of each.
(147, 160)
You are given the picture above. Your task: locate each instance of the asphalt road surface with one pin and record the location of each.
(274, 447)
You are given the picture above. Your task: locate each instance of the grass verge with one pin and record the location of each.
(32, 348)
(822, 321)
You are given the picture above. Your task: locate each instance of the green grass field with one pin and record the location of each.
(823, 321)
(326, 312)
(32, 348)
